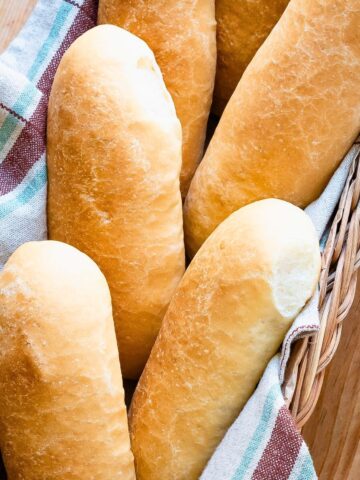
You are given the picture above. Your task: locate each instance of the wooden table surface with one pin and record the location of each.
(333, 432)
(13, 14)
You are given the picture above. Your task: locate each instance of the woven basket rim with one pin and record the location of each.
(312, 353)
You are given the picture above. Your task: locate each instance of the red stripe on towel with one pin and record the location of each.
(90, 7)
(282, 450)
(81, 24)
(28, 148)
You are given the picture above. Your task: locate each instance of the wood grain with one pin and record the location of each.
(333, 432)
(13, 14)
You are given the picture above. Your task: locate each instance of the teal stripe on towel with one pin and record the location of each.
(30, 190)
(307, 470)
(6, 130)
(58, 24)
(30, 95)
(259, 434)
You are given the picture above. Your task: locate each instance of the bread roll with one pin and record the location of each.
(226, 320)
(242, 26)
(182, 35)
(114, 157)
(290, 121)
(62, 412)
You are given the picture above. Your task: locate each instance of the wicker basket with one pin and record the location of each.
(340, 261)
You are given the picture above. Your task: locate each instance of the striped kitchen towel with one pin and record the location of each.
(27, 69)
(263, 443)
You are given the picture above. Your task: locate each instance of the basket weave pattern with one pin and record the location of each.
(340, 261)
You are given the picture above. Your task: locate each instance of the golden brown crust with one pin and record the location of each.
(242, 26)
(290, 121)
(114, 157)
(62, 411)
(182, 36)
(226, 320)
